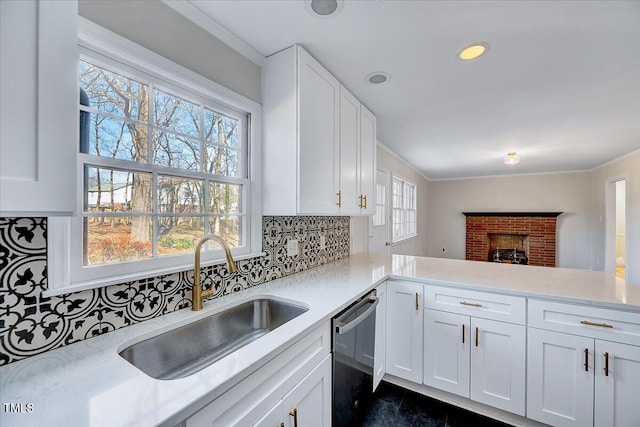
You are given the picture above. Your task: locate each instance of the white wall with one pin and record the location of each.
(389, 162)
(160, 29)
(568, 193)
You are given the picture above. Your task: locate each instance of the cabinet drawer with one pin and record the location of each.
(503, 308)
(602, 323)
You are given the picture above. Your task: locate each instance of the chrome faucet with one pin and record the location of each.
(197, 294)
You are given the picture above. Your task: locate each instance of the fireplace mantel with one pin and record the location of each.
(516, 214)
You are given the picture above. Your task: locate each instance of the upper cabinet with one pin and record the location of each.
(38, 108)
(315, 160)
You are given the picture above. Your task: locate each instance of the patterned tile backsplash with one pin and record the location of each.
(31, 323)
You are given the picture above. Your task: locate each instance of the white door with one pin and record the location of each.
(318, 139)
(404, 330)
(617, 403)
(380, 344)
(498, 353)
(559, 382)
(379, 222)
(309, 403)
(446, 351)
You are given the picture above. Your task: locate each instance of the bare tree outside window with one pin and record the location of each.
(149, 214)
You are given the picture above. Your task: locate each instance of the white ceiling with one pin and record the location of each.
(560, 84)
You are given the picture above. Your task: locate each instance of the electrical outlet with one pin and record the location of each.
(292, 247)
(323, 242)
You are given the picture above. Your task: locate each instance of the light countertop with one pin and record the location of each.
(88, 384)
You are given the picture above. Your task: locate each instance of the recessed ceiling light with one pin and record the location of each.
(473, 51)
(377, 77)
(323, 8)
(511, 158)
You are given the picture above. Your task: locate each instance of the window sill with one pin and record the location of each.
(115, 280)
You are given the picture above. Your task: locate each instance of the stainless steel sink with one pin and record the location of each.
(188, 349)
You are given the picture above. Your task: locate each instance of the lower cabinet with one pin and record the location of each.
(583, 365)
(308, 404)
(579, 381)
(379, 361)
(404, 330)
(291, 390)
(476, 358)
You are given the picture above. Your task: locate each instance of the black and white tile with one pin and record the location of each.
(32, 324)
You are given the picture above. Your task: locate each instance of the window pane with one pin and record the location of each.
(221, 161)
(176, 151)
(180, 195)
(220, 129)
(178, 234)
(176, 114)
(116, 139)
(113, 93)
(111, 190)
(225, 198)
(116, 239)
(227, 227)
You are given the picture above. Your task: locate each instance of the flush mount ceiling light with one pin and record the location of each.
(323, 8)
(473, 51)
(377, 77)
(511, 158)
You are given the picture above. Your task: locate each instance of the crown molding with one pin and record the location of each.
(204, 21)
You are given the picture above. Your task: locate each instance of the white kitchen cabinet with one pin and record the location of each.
(38, 107)
(381, 336)
(312, 152)
(404, 330)
(367, 162)
(560, 378)
(617, 371)
(475, 358)
(299, 378)
(309, 403)
(577, 375)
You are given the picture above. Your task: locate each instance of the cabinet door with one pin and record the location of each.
(309, 403)
(616, 399)
(273, 418)
(38, 107)
(318, 138)
(498, 352)
(559, 382)
(404, 330)
(380, 344)
(349, 140)
(367, 165)
(446, 351)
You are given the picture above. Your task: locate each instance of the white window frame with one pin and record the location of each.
(404, 210)
(65, 271)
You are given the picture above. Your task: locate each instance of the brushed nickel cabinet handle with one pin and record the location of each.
(365, 201)
(294, 414)
(463, 333)
(472, 304)
(602, 325)
(339, 194)
(586, 360)
(606, 364)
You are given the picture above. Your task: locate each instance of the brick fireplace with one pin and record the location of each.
(530, 233)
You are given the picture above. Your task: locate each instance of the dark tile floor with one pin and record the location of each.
(397, 407)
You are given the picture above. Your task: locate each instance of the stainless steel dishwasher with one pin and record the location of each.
(353, 350)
